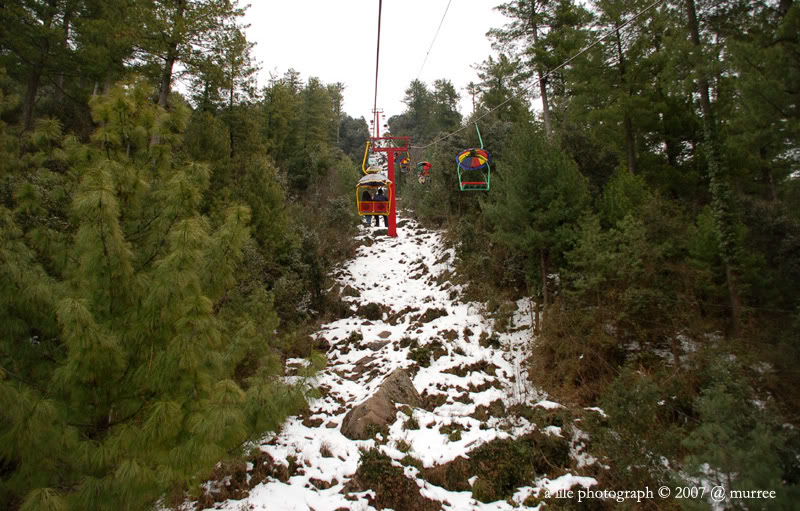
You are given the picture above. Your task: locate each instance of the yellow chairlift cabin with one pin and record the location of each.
(367, 188)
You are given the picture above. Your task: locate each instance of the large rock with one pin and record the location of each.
(378, 412)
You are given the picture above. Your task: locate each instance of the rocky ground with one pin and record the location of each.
(425, 402)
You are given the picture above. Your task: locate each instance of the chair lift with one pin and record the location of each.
(423, 171)
(374, 163)
(474, 170)
(404, 163)
(371, 182)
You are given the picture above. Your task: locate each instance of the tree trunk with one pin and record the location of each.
(545, 294)
(231, 91)
(548, 123)
(630, 137)
(721, 201)
(671, 148)
(169, 63)
(30, 97)
(630, 144)
(166, 77)
(60, 78)
(766, 175)
(534, 310)
(172, 56)
(32, 87)
(671, 144)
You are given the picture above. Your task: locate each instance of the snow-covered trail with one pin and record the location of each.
(469, 369)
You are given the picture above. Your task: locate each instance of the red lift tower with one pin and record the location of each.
(390, 149)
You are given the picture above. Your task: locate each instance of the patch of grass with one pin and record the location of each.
(431, 314)
(495, 409)
(502, 465)
(392, 488)
(370, 311)
(540, 416)
(453, 431)
(431, 401)
(411, 423)
(293, 466)
(504, 317)
(325, 450)
(411, 461)
(420, 354)
(355, 337)
(403, 446)
(449, 335)
(482, 366)
(373, 430)
(488, 341)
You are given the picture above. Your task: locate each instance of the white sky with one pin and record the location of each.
(335, 40)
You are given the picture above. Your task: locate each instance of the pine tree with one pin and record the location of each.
(146, 355)
(542, 34)
(445, 106)
(501, 88)
(35, 34)
(738, 445)
(719, 185)
(540, 195)
(174, 28)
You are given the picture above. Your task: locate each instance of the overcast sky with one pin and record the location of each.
(335, 40)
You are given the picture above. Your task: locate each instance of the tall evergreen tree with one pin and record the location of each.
(502, 88)
(445, 106)
(174, 29)
(539, 196)
(719, 184)
(122, 355)
(353, 134)
(34, 39)
(282, 115)
(336, 93)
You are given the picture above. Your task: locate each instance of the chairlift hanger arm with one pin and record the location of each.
(402, 148)
(364, 162)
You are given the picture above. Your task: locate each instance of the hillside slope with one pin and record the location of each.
(471, 379)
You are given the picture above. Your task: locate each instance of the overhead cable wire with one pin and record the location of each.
(434, 40)
(537, 80)
(377, 58)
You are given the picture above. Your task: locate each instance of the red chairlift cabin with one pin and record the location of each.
(372, 182)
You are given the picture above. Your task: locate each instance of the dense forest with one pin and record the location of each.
(650, 205)
(164, 249)
(161, 253)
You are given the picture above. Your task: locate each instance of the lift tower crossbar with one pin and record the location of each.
(390, 151)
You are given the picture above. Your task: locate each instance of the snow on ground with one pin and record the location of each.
(409, 275)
